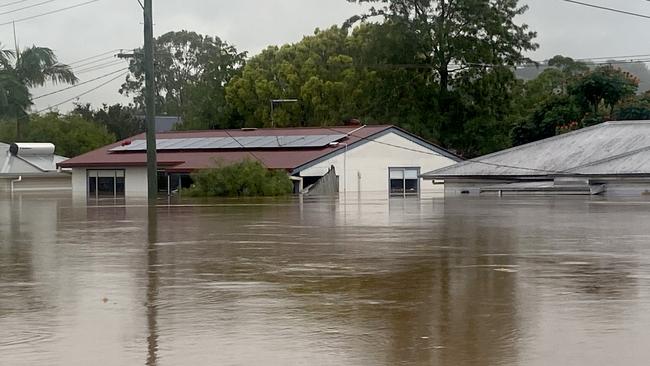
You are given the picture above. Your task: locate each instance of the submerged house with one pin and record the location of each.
(31, 167)
(383, 159)
(609, 158)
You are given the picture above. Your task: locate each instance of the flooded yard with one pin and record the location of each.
(371, 281)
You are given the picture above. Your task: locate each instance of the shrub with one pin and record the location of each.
(243, 179)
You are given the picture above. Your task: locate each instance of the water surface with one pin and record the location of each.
(372, 281)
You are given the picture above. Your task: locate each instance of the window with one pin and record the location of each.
(404, 181)
(106, 183)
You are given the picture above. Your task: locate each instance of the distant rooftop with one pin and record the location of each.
(610, 148)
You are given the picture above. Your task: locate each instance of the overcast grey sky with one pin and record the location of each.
(251, 25)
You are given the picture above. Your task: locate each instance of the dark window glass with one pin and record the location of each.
(92, 186)
(119, 186)
(411, 186)
(396, 186)
(106, 186)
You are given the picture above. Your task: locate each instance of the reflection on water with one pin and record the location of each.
(463, 281)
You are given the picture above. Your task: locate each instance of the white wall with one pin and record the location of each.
(135, 182)
(366, 166)
(79, 182)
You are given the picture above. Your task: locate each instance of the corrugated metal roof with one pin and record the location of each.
(183, 161)
(610, 148)
(287, 158)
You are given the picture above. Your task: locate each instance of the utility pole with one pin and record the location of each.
(18, 116)
(150, 100)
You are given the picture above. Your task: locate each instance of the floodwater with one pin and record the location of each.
(460, 281)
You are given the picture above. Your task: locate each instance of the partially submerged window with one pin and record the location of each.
(404, 181)
(106, 183)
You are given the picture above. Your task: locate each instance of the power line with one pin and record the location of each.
(608, 9)
(49, 12)
(93, 57)
(27, 7)
(99, 67)
(89, 63)
(13, 3)
(242, 145)
(82, 94)
(79, 84)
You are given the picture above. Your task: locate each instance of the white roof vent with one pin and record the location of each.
(31, 149)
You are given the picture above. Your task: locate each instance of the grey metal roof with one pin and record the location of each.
(610, 148)
(243, 142)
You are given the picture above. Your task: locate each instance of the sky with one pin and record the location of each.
(251, 25)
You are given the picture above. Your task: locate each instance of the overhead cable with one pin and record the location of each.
(89, 63)
(99, 67)
(27, 7)
(13, 3)
(79, 84)
(82, 94)
(93, 57)
(608, 9)
(49, 12)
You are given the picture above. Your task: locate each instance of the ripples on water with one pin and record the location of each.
(463, 281)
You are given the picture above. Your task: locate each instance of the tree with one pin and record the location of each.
(606, 85)
(547, 119)
(319, 71)
(455, 35)
(120, 120)
(184, 61)
(20, 71)
(71, 134)
(568, 95)
(634, 108)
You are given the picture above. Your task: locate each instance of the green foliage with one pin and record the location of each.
(319, 71)
(569, 95)
(191, 73)
(32, 67)
(547, 119)
(467, 33)
(71, 134)
(442, 71)
(120, 120)
(636, 108)
(242, 179)
(604, 85)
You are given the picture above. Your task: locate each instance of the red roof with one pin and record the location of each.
(190, 160)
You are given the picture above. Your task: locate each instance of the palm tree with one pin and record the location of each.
(20, 71)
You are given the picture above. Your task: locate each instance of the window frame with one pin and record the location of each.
(115, 176)
(404, 193)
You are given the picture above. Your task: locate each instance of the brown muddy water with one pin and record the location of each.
(463, 281)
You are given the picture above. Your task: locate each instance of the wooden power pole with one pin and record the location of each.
(150, 103)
